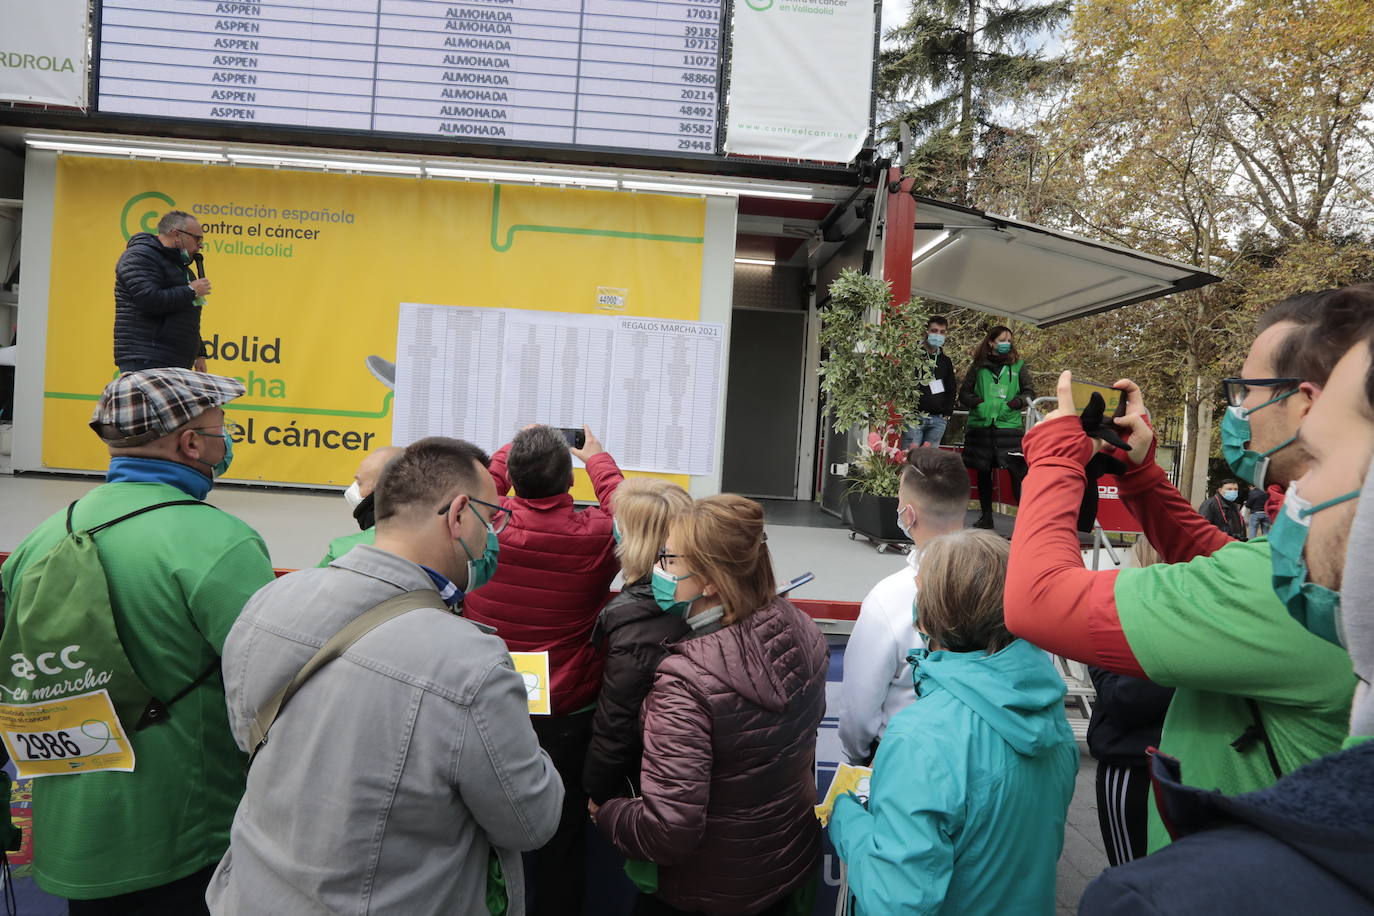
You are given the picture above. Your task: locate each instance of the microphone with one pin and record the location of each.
(200, 265)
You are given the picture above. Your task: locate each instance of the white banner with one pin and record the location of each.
(801, 78)
(43, 52)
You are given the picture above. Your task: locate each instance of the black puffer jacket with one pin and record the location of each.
(637, 633)
(155, 318)
(1127, 717)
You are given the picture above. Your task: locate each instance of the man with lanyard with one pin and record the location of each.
(404, 777)
(937, 397)
(138, 791)
(1257, 695)
(1221, 510)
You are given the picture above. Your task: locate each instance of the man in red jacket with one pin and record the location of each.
(556, 568)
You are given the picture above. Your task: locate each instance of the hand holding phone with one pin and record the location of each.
(576, 438)
(1114, 399)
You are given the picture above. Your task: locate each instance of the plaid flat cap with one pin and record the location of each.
(151, 403)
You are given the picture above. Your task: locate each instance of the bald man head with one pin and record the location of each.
(371, 467)
(359, 493)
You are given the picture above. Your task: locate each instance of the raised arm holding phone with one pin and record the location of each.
(1257, 694)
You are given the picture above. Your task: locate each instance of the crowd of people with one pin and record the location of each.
(355, 737)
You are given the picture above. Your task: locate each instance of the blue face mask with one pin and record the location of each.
(481, 569)
(1230, 495)
(221, 467)
(1248, 465)
(665, 593)
(935, 340)
(1004, 347)
(1316, 607)
(615, 531)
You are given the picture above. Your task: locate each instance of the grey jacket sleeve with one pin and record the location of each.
(504, 777)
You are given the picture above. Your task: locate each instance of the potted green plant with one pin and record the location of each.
(874, 359)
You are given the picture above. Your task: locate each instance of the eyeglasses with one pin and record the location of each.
(1237, 389)
(500, 516)
(198, 238)
(228, 426)
(664, 556)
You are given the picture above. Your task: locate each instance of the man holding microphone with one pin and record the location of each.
(158, 298)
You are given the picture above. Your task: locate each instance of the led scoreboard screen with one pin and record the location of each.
(628, 74)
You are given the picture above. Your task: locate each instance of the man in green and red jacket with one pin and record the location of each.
(1257, 695)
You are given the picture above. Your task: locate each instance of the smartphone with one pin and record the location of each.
(1115, 397)
(800, 580)
(576, 438)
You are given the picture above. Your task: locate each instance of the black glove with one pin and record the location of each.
(1099, 466)
(1016, 403)
(1099, 427)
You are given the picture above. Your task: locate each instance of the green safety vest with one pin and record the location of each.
(996, 389)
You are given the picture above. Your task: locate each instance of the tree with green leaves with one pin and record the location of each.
(1232, 134)
(949, 69)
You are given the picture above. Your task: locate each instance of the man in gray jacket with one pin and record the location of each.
(405, 771)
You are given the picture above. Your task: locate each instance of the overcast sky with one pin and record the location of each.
(896, 11)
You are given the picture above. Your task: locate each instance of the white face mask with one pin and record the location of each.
(901, 510)
(353, 495)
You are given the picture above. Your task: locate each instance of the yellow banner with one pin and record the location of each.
(308, 271)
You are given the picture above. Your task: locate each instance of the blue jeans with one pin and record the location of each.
(1258, 520)
(928, 432)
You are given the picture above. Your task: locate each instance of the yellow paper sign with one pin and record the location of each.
(534, 668)
(77, 734)
(847, 779)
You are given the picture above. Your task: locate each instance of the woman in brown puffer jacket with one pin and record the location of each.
(727, 780)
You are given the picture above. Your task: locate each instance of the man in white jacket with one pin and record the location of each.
(932, 500)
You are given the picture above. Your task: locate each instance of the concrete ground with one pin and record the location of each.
(1084, 857)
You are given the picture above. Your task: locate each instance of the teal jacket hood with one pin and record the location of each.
(1010, 690)
(969, 794)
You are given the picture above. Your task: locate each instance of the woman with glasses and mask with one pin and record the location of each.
(972, 781)
(727, 781)
(636, 633)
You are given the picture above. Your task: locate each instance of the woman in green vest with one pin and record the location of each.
(995, 391)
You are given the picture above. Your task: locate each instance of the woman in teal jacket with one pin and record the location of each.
(972, 782)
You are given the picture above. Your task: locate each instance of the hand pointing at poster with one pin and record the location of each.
(591, 447)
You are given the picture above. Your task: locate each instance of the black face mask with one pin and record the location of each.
(365, 514)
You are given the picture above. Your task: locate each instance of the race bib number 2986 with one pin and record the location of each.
(77, 734)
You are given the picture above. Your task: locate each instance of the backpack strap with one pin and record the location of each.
(1256, 732)
(337, 645)
(156, 712)
(128, 515)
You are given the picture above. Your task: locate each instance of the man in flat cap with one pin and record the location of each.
(116, 612)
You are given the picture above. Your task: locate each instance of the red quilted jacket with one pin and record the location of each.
(553, 577)
(728, 776)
